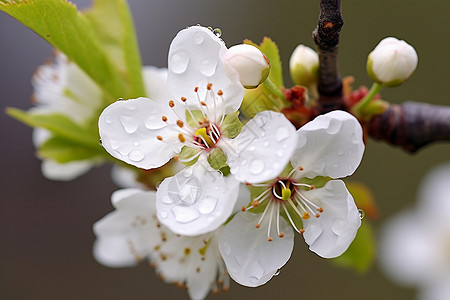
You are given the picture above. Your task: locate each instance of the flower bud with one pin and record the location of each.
(246, 63)
(304, 66)
(391, 62)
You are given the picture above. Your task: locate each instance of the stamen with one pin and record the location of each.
(196, 89)
(290, 219)
(300, 168)
(208, 86)
(274, 192)
(255, 203)
(280, 234)
(263, 194)
(164, 118)
(171, 103)
(270, 224)
(263, 214)
(183, 99)
(181, 138)
(159, 137)
(220, 93)
(180, 123)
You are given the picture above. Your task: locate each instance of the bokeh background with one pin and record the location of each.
(46, 227)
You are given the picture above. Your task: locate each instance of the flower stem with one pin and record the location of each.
(374, 90)
(275, 90)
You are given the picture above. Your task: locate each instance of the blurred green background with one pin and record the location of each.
(45, 226)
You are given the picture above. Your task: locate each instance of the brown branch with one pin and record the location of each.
(326, 37)
(411, 125)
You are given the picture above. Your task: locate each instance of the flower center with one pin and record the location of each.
(207, 135)
(285, 194)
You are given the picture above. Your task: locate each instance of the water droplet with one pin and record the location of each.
(256, 166)
(244, 161)
(280, 153)
(178, 62)
(263, 133)
(277, 272)
(282, 133)
(199, 38)
(334, 126)
(208, 66)
(129, 124)
(217, 32)
(136, 155)
(185, 214)
(167, 200)
(108, 119)
(251, 148)
(115, 144)
(137, 143)
(154, 121)
(362, 214)
(266, 144)
(162, 214)
(207, 205)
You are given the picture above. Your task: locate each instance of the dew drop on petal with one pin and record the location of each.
(115, 144)
(207, 205)
(277, 273)
(162, 214)
(108, 119)
(254, 280)
(263, 133)
(129, 124)
(256, 166)
(136, 155)
(167, 200)
(217, 32)
(208, 66)
(280, 153)
(251, 148)
(266, 144)
(282, 133)
(362, 214)
(137, 143)
(178, 62)
(185, 214)
(154, 121)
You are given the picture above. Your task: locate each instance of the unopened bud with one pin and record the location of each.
(391, 62)
(304, 66)
(247, 64)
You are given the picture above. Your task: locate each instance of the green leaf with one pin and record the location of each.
(231, 126)
(361, 253)
(74, 34)
(59, 125)
(317, 182)
(63, 151)
(198, 116)
(112, 21)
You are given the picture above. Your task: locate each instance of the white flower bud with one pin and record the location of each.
(247, 64)
(304, 66)
(391, 62)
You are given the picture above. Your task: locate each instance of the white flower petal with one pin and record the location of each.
(155, 80)
(194, 61)
(129, 130)
(199, 282)
(330, 145)
(262, 149)
(67, 171)
(197, 200)
(331, 234)
(436, 290)
(408, 250)
(122, 236)
(250, 258)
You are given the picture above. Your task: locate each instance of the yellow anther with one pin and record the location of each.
(201, 132)
(305, 216)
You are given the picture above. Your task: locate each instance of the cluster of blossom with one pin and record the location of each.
(244, 187)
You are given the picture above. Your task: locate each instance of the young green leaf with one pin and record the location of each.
(62, 150)
(74, 34)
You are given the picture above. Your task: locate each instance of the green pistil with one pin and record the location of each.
(201, 132)
(286, 194)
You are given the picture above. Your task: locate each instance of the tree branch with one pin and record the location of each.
(326, 38)
(411, 125)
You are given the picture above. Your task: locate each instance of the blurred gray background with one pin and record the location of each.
(46, 227)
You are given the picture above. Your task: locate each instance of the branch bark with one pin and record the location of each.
(411, 125)
(326, 38)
